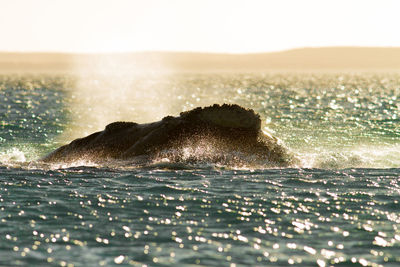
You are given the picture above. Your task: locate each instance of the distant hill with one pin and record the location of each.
(304, 59)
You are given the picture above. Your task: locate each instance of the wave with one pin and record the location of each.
(206, 157)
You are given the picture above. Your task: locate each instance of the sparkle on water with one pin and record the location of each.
(310, 216)
(340, 208)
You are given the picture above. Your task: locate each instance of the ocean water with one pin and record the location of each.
(338, 207)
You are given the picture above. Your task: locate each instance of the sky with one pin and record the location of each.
(221, 26)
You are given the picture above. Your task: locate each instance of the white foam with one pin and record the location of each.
(363, 156)
(12, 155)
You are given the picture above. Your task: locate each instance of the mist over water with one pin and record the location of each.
(108, 89)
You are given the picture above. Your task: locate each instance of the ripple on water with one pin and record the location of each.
(263, 217)
(345, 212)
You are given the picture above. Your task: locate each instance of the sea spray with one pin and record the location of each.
(12, 155)
(113, 88)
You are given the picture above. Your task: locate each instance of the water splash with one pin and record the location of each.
(362, 156)
(11, 156)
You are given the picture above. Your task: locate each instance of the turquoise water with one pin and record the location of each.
(339, 206)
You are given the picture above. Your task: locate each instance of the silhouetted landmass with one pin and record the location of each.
(304, 59)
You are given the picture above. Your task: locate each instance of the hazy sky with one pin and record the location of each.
(195, 25)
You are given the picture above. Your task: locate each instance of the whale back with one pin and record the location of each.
(214, 131)
(228, 116)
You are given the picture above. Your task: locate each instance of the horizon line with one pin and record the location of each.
(191, 51)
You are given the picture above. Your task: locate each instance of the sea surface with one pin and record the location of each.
(338, 207)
